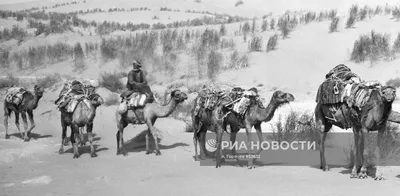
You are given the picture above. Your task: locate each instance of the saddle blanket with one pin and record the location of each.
(71, 106)
(330, 92)
(137, 100)
(14, 95)
(241, 106)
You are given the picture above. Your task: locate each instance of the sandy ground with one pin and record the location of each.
(36, 168)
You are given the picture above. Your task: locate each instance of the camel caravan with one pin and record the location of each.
(343, 100)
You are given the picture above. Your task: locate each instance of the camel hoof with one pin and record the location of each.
(76, 156)
(148, 152)
(26, 139)
(93, 155)
(61, 151)
(7, 136)
(158, 153)
(83, 144)
(251, 167)
(379, 178)
(362, 176)
(353, 175)
(218, 165)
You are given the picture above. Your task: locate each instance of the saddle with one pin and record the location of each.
(74, 92)
(208, 99)
(14, 95)
(137, 100)
(337, 85)
(242, 100)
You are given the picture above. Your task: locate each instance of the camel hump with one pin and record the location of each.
(15, 94)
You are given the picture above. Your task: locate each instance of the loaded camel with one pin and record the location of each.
(254, 116)
(30, 101)
(373, 116)
(146, 115)
(82, 116)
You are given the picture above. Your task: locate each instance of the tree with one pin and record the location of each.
(245, 30)
(264, 25)
(222, 30)
(78, 54)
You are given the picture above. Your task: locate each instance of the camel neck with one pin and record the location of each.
(267, 113)
(33, 100)
(167, 109)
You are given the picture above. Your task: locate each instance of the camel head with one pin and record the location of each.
(38, 91)
(96, 100)
(388, 93)
(282, 97)
(178, 96)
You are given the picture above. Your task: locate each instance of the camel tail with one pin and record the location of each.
(7, 111)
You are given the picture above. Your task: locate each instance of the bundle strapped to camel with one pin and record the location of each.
(208, 99)
(14, 95)
(239, 99)
(134, 101)
(75, 91)
(341, 85)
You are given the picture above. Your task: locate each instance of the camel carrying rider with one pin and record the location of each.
(137, 82)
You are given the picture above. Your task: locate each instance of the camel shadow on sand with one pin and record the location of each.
(86, 148)
(34, 136)
(138, 143)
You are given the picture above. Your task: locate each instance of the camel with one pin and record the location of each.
(30, 101)
(147, 115)
(373, 116)
(254, 116)
(81, 117)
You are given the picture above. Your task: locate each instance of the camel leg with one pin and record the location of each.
(218, 154)
(378, 153)
(324, 128)
(203, 152)
(355, 154)
(323, 135)
(202, 142)
(153, 131)
(120, 138)
(6, 125)
(196, 133)
(361, 141)
(260, 139)
(74, 133)
(89, 130)
(24, 119)
(63, 137)
(148, 134)
(234, 131)
(82, 136)
(32, 121)
(17, 124)
(250, 162)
